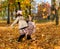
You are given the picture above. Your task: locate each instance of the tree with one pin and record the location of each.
(11, 2)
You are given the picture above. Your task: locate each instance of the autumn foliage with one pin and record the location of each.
(43, 10)
(47, 36)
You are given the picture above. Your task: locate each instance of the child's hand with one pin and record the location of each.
(11, 27)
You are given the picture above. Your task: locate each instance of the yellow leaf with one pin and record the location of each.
(7, 48)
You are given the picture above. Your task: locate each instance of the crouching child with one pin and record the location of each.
(22, 25)
(31, 27)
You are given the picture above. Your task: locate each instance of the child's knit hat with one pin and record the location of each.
(19, 12)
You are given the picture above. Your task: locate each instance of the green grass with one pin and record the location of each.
(42, 21)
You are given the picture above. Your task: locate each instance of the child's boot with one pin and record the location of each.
(21, 37)
(29, 37)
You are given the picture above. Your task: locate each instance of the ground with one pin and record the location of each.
(47, 36)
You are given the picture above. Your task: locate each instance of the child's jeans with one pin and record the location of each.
(26, 31)
(23, 31)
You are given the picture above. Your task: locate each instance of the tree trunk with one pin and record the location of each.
(12, 16)
(29, 10)
(19, 5)
(8, 19)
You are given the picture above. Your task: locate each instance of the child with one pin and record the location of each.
(22, 25)
(31, 27)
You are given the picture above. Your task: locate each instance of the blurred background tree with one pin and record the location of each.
(8, 8)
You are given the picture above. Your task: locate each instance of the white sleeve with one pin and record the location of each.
(15, 21)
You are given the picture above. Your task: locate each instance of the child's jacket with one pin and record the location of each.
(21, 22)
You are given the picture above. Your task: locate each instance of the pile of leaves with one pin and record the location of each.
(47, 36)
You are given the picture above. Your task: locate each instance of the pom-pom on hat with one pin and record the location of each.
(19, 12)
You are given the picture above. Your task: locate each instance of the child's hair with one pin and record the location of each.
(31, 17)
(28, 18)
(19, 14)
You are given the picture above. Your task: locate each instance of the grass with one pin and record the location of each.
(42, 21)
